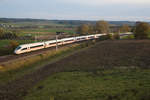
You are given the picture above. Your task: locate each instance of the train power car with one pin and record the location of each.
(41, 45)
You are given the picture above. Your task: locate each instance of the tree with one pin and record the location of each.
(125, 28)
(102, 27)
(142, 30)
(91, 29)
(83, 29)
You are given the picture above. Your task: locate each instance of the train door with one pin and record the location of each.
(45, 45)
(28, 49)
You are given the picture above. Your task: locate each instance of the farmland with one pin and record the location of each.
(41, 31)
(109, 70)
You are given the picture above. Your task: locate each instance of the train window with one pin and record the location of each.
(68, 40)
(52, 43)
(18, 48)
(91, 37)
(24, 49)
(36, 46)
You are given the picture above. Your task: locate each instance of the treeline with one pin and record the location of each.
(141, 30)
(102, 27)
(14, 20)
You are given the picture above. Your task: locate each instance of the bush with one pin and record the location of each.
(110, 36)
(13, 44)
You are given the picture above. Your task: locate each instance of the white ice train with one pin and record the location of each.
(41, 45)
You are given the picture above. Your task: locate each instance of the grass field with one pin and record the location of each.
(4, 43)
(48, 30)
(34, 32)
(28, 28)
(109, 70)
(103, 85)
(40, 23)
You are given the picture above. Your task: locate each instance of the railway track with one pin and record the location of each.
(12, 57)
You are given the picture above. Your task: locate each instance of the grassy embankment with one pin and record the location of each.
(108, 71)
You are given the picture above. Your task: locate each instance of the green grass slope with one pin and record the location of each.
(104, 85)
(110, 70)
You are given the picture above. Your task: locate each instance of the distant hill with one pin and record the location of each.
(69, 22)
(8, 20)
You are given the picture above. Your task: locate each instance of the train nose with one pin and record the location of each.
(16, 52)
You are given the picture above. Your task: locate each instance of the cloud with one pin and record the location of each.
(84, 17)
(103, 2)
(77, 9)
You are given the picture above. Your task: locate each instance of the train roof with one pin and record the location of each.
(65, 39)
(81, 36)
(31, 44)
(53, 41)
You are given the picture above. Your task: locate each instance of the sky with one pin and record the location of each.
(115, 10)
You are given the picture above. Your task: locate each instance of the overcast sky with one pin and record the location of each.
(131, 10)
